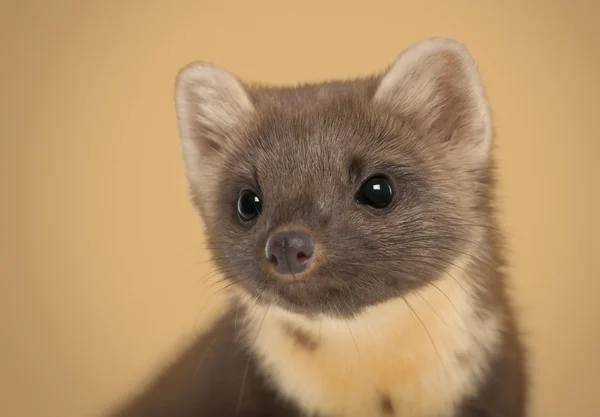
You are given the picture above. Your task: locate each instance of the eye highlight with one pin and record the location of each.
(376, 192)
(248, 205)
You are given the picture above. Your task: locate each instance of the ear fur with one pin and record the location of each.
(437, 84)
(210, 104)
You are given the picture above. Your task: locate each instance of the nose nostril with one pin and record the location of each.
(302, 257)
(274, 260)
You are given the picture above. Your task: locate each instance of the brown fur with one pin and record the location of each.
(418, 286)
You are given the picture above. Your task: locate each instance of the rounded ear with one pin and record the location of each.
(436, 83)
(210, 104)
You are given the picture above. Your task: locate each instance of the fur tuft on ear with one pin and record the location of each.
(210, 105)
(436, 83)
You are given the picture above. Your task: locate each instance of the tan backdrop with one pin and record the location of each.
(102, 269)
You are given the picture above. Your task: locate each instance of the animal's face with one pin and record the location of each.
(332, 197)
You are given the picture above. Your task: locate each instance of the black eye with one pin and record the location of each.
(248, 205)
(376, 192)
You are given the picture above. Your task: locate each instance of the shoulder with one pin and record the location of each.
(505, 389)
(214, 376)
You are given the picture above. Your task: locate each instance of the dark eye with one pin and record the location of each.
(375, 192)
(248, 205)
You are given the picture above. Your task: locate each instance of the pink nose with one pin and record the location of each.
(289, 252)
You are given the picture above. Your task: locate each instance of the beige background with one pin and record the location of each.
(101, 259)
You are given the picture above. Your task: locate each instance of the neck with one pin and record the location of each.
(436, 340)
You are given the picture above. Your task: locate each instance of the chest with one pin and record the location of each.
(418, 356)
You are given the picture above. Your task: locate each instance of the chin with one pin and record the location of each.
(300, 296)
(296, 296)
(309, 298)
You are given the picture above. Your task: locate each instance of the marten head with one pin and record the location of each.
(330, 197)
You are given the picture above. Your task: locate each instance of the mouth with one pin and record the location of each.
(315, 294)
(305, 296)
